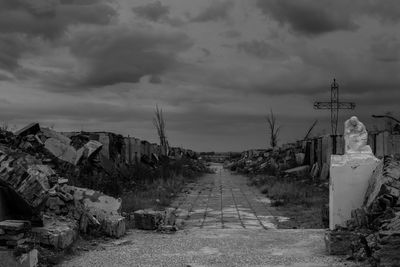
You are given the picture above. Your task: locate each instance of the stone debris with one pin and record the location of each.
(156, 220)
(35, 163)
(102, 209)
(376, 224)
(54, 213)
(30, 129)
(25, 175)
(23, 258)
(114, 226)
(16, 247)
(339, 242)
(56, 232)
(287, 160)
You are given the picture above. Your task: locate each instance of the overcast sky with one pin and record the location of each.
(216, 68)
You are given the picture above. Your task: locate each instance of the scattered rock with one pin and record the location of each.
(148, 219)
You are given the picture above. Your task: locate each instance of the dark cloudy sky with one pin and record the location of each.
(215, 67)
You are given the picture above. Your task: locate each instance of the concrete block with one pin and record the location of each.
(21, 175)
(29, 259)
(31, 128)
(15, 225)
(114, 226)
(104, 208)
(99, 204)
(58, 234)
(349, 178)
(61, 150)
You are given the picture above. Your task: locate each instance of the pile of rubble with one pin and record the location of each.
(38, 167)
(373, 233)
(287, 160)
(15, 246)
(50, 212)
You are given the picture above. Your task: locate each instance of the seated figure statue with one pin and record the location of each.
(355, 137)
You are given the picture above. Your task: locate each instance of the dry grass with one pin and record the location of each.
(287, 190)
(156, 195)
(299, 199)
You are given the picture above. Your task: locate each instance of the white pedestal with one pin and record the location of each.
(349, 177)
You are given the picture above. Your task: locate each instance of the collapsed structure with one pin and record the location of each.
(365, 191)
(38, 205)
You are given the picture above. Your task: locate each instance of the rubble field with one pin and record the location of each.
(51, 191)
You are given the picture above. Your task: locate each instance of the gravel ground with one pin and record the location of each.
(213, 247)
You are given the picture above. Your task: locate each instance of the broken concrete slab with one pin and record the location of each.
(15, 225)
(149, 219)
(61, 150)
(92, 147)
(385, 180)
(299, 171)
(105, 209)
(21, 174)
(88, 150)
(32, 128)
(99, 204)
(48, 133)
(114, 226)
(57, 233)
(28, 259)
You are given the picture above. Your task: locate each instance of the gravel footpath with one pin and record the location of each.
(213, 247)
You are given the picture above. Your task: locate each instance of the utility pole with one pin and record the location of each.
(334, 105)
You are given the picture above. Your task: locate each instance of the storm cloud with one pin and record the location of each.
(118, 55)
(51, 19)
(153, 11)
(215, 67)
(218, 10)
(310, 17)
(260, 49)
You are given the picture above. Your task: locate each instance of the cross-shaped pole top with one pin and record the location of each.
(334, 105)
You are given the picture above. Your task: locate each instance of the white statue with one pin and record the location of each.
(355, 137)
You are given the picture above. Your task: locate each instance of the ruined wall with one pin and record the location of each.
(132, 150)
(145, 148)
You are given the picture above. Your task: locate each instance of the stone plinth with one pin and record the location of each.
(349, 177)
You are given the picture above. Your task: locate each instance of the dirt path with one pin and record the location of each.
(227, 223)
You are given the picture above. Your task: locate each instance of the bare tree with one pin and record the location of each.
(310, 129)
(159, 123)
(273, 129)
